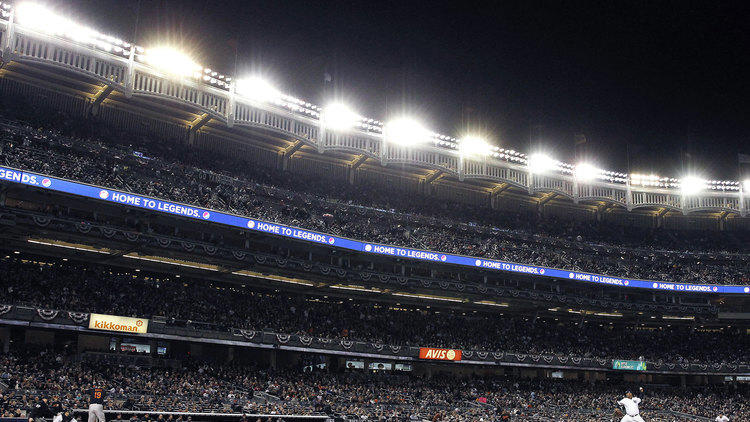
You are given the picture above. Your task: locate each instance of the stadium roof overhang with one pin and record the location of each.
(62, 65)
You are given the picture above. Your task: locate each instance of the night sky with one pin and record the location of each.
(654, 86)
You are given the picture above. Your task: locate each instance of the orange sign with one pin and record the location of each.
(439, 354)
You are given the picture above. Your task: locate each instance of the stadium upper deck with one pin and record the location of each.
(298, 214)
(219, 112)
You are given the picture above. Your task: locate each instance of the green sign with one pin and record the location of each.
(629, 365)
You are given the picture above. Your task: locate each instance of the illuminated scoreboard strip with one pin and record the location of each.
(188, 211)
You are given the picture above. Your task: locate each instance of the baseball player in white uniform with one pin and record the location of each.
(630, 403)
(722, 418)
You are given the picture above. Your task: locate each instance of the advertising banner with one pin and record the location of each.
(439, 354)
(200, 214)
(629, 365)
(118, 323)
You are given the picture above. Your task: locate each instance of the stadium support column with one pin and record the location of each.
(628, 195)
(543, 200)
(434, 176)
(130, 75)
(603, 208)
(8, 38)
(383, 151)
(286, 154)
(461, 168)
(93, 107)
(683, 203)
(660, 217)
(495, 193)
(195, 126)
(353, 166)
(322, 138)
(723, 219)
(229, 114)
(530, 179)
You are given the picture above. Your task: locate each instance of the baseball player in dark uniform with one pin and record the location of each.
(96, 404)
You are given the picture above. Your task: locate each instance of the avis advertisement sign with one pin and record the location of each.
(118, 323)
(439, 354)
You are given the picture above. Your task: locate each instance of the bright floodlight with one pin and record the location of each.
(171, 61)
(405, 132)
(339, 117)
(39, 18)
(587, 172)
(747, 185)
(692, 185)
(257, 89)
(540, 163)
(472, 145)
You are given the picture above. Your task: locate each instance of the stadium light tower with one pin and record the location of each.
(540, 163)
(406, 132)
(692, 185)
(257, 89)
(586, 172)
(171, 61)
(339, 117)
(474, 145)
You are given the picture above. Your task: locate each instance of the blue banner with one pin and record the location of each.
(123, 198)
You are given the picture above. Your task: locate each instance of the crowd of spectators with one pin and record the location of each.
(74, 149)
(68, 148)
(87, 287)
(62, 380)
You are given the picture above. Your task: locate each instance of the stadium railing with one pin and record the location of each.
(207, 417)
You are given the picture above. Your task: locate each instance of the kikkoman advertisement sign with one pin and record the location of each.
(439, 354)
(118, 323)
